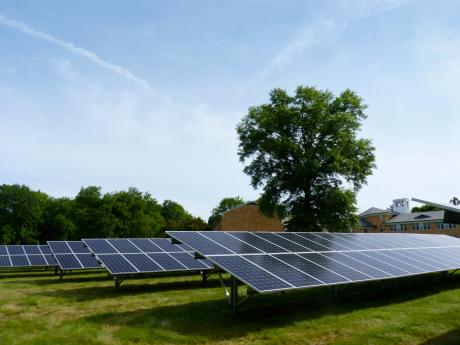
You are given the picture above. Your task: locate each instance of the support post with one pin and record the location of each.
(335, 292)
(204, 277)
(400, 283)
(233, 295)
(445, 274)
(55, 271)
(61, 274)
(118, 280)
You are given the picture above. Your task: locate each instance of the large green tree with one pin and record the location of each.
(134, 214)
(224, 205)
(177, 218)
(92, 213)
(305, 154)
(21, 212)
(58, 221)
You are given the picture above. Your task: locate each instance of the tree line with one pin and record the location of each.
(29, 217)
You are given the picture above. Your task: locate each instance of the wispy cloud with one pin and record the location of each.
(326, 29)
(71, 47)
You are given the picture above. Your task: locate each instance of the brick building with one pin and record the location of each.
(400, 219)
(247, 218)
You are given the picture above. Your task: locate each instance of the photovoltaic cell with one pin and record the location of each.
(282, 261)
(37, 260)
(167, 262)
(5, 261)
(19, 260)
(45, 249)
(117, 264)
(190, 262)
(166, 245)
(127, 256)
(15, 250)
(123, 246)
(247, 271)
(257, 242)
(28, 249)
(312, 269)
(231, 243)
(72, 255)
(283, 270)
(24, 256)
(146, 246)
(50, 260)
(100, 246)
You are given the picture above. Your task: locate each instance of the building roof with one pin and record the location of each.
(442, 206)
(417, 217)
(451, 212)
(374, 210)
(365, 224)
(245, 204)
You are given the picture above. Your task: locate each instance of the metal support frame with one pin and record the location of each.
(336, 290)
(231, 293)
(118, 280)
(61, 274)
(205, 275)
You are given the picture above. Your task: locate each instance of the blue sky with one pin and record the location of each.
(148, 93)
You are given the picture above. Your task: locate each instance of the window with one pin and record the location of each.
(421, 226)
(445, 226)
(399, 227)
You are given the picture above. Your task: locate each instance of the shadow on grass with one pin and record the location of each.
(102, 292)
(25, 274)
(49, 277)
(449, 338)
(40, 272)
(211, 321)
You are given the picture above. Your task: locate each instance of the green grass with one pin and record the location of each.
(36, 308)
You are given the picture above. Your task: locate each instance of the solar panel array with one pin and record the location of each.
(26, 256)
(73, 255)
(144, 255)
(282, 261)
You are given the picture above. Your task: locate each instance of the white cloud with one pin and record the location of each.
(326, 30)
(71, 47)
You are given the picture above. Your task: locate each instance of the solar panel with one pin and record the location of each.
(26, 256)
(269, 262)
(72, 255)
(128, 256)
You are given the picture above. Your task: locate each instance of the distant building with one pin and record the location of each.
(400, 219)
(247, 218)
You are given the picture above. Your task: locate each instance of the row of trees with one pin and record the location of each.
(28, 216)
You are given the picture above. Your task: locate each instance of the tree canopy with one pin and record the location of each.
(28, 216)
(224, 205)
(304, 152)
(424, 208)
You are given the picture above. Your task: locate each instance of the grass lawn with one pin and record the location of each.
(85, 308)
